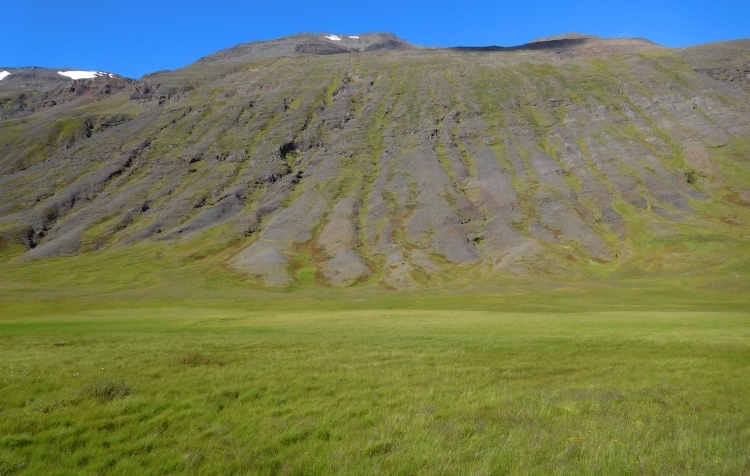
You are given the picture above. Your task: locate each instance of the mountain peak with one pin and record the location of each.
(565, 36)
(311, 44)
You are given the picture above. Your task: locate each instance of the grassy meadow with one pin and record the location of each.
(238, 391)
(155, 361)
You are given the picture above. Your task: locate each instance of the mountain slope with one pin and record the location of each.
(576, 45)
(401, 166)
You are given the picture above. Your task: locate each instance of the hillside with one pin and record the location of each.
(333, 160)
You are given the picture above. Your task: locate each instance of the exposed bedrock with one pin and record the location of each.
(371, 161)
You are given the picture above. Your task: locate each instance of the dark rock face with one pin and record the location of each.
(372, 159)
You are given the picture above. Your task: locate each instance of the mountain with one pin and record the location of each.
(309, 44)
(42, 80)
(25, 91)
(336, 159)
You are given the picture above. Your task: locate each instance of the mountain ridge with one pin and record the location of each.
(300, 44)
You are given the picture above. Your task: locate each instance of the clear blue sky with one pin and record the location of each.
(134, 37)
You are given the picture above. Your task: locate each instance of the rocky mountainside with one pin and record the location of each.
(25, 91)
(365, 159)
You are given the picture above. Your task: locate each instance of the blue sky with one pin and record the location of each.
(135, 37)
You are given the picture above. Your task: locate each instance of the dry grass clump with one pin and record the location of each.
(196, 358)
(107, 389)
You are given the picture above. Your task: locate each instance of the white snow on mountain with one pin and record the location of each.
(3, 75)
(333, 38)
(84, 74)
(355, 37)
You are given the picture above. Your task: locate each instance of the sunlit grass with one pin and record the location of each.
(156, 358)
(220, 391)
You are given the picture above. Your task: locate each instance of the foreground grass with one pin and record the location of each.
(220, 391)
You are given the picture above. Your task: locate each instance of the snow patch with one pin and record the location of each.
(3, 75)
(85, 74)
(355, 37)
(333, 38)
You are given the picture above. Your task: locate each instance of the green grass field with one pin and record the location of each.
(244, 391)
(134, 362)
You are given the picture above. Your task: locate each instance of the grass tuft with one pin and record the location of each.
(107, 389)
(194, 359)
(380, 448)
